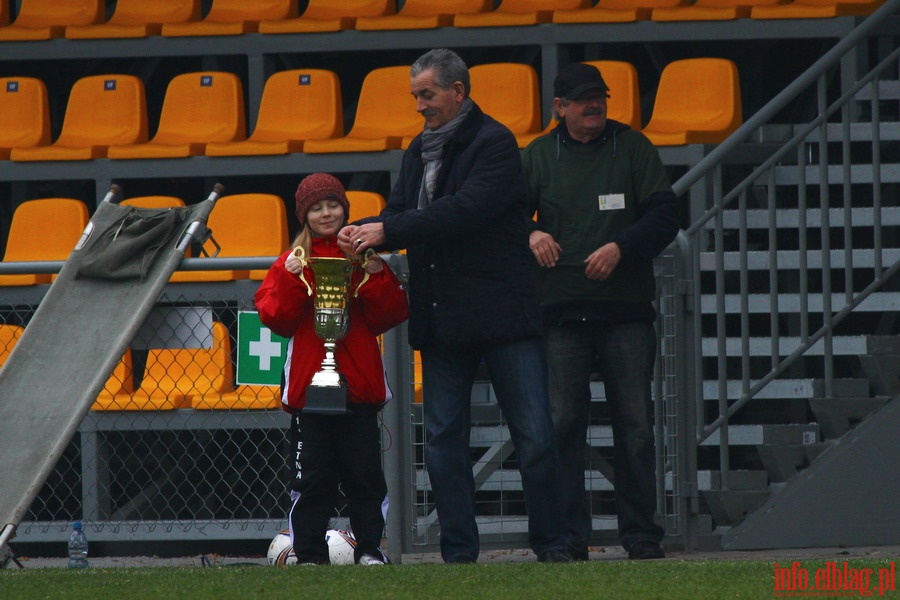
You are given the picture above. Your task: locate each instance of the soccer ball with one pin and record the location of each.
(341, 545)
(281, 552)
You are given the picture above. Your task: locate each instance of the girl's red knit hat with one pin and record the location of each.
(316, 187)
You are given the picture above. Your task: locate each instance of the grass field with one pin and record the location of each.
(668, 579)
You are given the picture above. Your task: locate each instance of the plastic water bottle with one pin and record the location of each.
(78, 547)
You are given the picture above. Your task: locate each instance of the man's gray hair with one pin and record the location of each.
(448, 68)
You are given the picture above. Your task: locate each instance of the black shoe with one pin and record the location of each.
(645, 549)
(579, 554)
(554, 556)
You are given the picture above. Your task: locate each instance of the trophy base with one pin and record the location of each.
(326, 400)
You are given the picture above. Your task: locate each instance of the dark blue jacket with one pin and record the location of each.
(472, 275)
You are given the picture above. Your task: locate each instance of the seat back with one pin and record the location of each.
(185, 372)
(624, 104)
(24, 114)
(698, 101)
(9, 335)
(300, 104)
(328, 9)
(428, 8)
(140, 12)
(509, 93)
(202, 107)
(385, 108)
(530, 6)
(46, 13)
(41, 230)
(104, 110)
(153, 202)
(244, 225)
(364, 204)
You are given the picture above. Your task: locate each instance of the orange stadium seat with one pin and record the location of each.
(119, 384)
(43, 230)
(296, 105)
(198, 108)
(709, 10)
(364, 204)
(385, 113)
(47, 19)
(9, 336)
(615, 11)
(509, 92)
(518, 12)
(243, 225)
(424, 14)
(624, 104)
(24, 114)
(816, 9)
(138, 19)
(174, 376)
(4, 12)
(102, 110)
(698, 101)
(233, 17)
(327, 15)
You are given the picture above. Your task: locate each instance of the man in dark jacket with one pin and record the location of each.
(605, 210)
(458, 206)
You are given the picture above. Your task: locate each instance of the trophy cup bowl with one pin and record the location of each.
(327, 393)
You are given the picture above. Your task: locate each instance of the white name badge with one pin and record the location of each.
(611, 201)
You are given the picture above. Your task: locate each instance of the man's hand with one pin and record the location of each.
(356, 239)
(603, 261)
(545, 249)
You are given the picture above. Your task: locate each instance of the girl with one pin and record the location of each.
(344, 450)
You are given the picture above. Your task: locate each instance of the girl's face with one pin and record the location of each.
(325, 217)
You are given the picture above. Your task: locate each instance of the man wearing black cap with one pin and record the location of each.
(605, 210)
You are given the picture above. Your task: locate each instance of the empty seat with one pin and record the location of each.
(102, 110)
(43, 230)
(198, 108)
(9, 336)
(364, 204)
(518, 13)
(624, 104)
(615, 11)
(508, 92)
(24, 114)
(153, 202)
(244, 225)
(296, 105)
(119, 385)
(423, 14)
(46, 19)
(698, 101)
(172, 377)
(327, 15)
(816, 9)
(4, 12)
(385, 114)
(233, 17)
(138, 19)
(709, 10)
(242, 397)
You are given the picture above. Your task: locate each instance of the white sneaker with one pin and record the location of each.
(367, 560)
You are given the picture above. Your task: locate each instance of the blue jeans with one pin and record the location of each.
(624, 355)
(518, 373)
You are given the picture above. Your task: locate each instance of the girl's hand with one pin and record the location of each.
(293, 265)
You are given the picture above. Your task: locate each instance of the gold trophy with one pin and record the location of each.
(327, 393)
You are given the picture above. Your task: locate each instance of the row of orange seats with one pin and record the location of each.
(243, 225)
(175, 378)
(697, 101)
(85, 19)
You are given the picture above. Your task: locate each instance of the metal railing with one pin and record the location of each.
(785, 255)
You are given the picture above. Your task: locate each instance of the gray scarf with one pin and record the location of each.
(433, 142)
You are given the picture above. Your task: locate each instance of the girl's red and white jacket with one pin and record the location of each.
(286, 308)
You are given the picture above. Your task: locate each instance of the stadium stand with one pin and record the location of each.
(511, 13)
(138, 19)
(423, 14)
(815, 9)
(709, 10)
(324, 16)
(233, 17)
(47, 19)
(24, 114)
(615, 11)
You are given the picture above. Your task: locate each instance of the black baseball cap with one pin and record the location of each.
(577, 78)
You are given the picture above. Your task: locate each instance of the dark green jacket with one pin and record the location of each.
(613, 189)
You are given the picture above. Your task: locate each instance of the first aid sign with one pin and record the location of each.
(261, 353)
